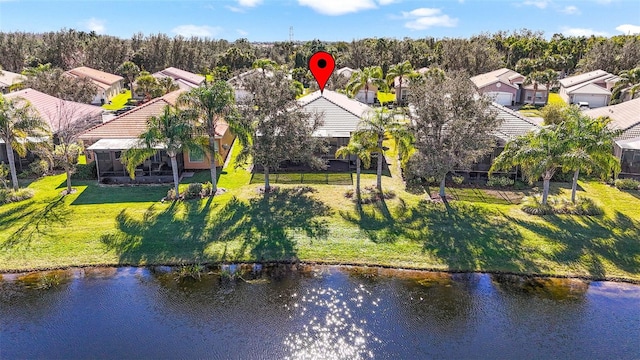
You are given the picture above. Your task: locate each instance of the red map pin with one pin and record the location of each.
(321, 65)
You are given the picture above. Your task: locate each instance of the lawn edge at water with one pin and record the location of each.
(331, 263)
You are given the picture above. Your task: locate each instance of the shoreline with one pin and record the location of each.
(328, 263)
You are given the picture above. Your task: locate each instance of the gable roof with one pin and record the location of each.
(341, 114)
(590, 77)
(624, 116)
(100, 78)
(132, 123)
(345, 71)
(588, 88)
(236, 81)
(181, 76)
(503, 75)
(8, 78)
(53, 109)
(513, 124)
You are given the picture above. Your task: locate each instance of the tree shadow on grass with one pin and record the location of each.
(463, 236)
(38, 224)
(96, 194)
(591, 241)
(182, 232)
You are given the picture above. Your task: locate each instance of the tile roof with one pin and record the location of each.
(54, 111)
(513, 124)
(100, 78)
(134, 122)
(579, 79)
(624, 116)
(8, 78)
(178, 74)
(236, 81)
(504, 75)
(341, 114)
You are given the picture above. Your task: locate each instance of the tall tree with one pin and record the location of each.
(400, 71)
(629, 79)
(173, 131)
(167, 85)
(549, 78)
(535, 78)
(148, 85)
(373, 129)
(19, 123)
(280, 130)
(362, 151)
(590, 144)
(214, 103)
(130, 71)
(55, 82)
(539, 154)
(363, 79)
(451, 125)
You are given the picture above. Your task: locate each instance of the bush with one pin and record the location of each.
(39, 168)
(627, 184)
(194, 190)
(458, 180)
(85, 171)
(207, 188)
(583, 206)
(10, 196)
(500, 181)
(528, 107)
(171, 194)
(533, 205)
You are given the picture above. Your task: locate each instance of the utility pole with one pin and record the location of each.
(291, 33)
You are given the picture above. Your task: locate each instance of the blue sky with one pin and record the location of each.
(330, 20)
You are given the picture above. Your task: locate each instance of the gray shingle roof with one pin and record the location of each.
(625, 116)
(341, 114)
(513, 124)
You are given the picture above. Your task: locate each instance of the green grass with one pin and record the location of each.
(556, 99)
(482, 230)
(118, 101)
(384, 97)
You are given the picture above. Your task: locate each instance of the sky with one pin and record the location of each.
(327, 20)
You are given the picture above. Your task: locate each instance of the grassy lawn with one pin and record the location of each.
(556, 99)
(384, 97)
(118, 101)
(483, 230)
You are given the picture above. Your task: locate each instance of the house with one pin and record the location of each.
(345, 72)
(8, 78)
(107, 141)
(340, 114)
(109, 85)
(625, 117)
(506, 87)
(512, 125)
(236, 81)
(57, 113)
(402, 92)
(185, 80)
(593, 88)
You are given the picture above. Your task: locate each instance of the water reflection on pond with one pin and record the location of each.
(313, 312)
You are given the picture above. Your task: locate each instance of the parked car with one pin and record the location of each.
(583, 105)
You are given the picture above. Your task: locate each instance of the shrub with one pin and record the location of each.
(39, 168)
(193, 190)
(528, 107)
(627, 184)
(500, 181)
(532, 205)
(85, 171)
(10, 196)
(349, 194)
(583, 206)
(171, 194)
(207, 188)
(458, 180)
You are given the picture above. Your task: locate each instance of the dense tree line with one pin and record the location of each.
(523, 50)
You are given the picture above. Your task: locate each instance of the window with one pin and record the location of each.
(118, 154)
(196, 156)
(103, 156)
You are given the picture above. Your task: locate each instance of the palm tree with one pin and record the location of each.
(213, 103)
(548, 77)
(374, 128)
(362, 79)
(362, 152)
(172, 131)
(129, 70)
(400, 71)
(628, 79)
(264, 64)
(148, 85)
(590, 142)
(538, 153)
(18, 123)
(535, 78)
(167, 85)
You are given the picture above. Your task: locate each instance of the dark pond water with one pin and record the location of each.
(319, 312)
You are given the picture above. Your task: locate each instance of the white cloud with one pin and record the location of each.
(387, 2)
(571, 10)
(196, 30)
(424, 18)
(582, 32)
(242, 32)
(94, 24)
(338, 7)
(629, 29)
(249, 3)
(235, 9)
(540, 4)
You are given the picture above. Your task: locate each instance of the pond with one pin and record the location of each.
(322, 312)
